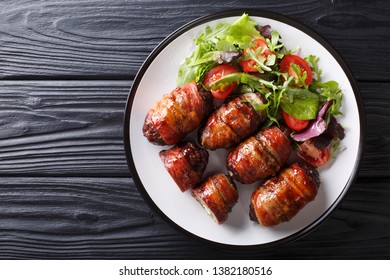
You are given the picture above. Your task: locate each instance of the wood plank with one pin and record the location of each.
(95, 39)
(66, 192)
(72, 218)
(376, 156)
(65, 128)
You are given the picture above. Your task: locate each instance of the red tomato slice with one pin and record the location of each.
(286, 68)
(309, 152)
(294, 123)
(249, 65)
(217, 73)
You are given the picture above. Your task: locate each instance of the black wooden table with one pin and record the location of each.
(66, 68)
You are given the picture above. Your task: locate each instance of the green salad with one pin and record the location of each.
(231, 59)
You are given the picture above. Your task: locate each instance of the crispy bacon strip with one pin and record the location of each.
(217, 194)
(259, 156)
(186, 163)
(280, 198)
(176, 114)
(234, 121)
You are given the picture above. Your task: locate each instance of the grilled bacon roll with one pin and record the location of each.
(176, 114)
(217, 194)
(186, 163)
(280, 198)
(234, 121)
(259, 156)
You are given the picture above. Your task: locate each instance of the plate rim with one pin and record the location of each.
(218, 16)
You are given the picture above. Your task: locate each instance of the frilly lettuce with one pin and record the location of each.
(211, 45)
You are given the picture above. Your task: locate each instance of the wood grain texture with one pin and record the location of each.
(75, 218)
(111, 39)
(63, 127)
(66, 68)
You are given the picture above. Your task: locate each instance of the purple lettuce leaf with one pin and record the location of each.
(316, 127)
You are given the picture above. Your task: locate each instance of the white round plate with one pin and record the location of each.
(158, 75)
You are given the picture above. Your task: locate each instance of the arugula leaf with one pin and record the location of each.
(271, 92)
(201, 60)
(313, 62)
(224, 81)
(260, 60)
(214, 45)
(252, 81)
(257, 83)
(210, 35)
(274, 43)
(330, 91)
(300, 77)
(190, 71)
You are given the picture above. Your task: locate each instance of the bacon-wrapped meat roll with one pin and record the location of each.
(280, 198)
(186, 163)
(217, 194)
(259, 156)
(176, 114)
(233, 122)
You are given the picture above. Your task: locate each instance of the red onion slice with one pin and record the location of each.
(315, 128)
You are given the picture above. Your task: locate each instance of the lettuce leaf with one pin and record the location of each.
(213, 45)
(300, 103)
(210, 35)
(242, 32)
(252, 81)
(330, 91)
(198, 63)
